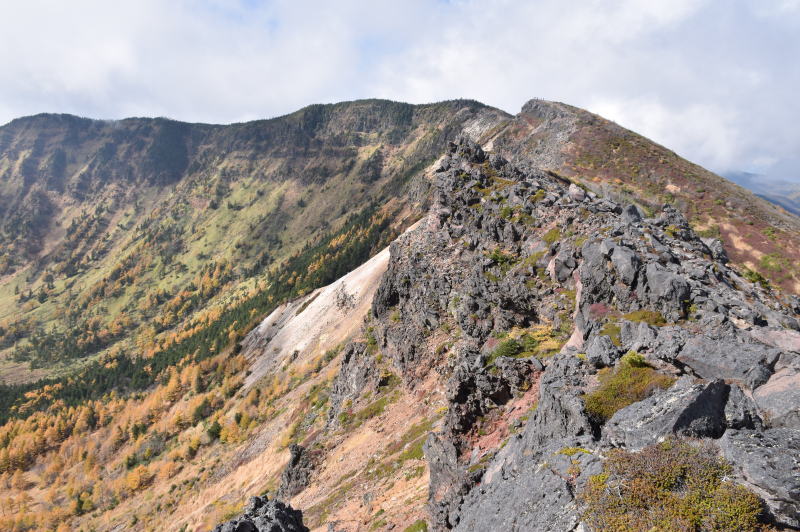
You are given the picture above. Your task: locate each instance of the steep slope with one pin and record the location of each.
(628, 167)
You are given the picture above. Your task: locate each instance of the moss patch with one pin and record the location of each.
(417, 526)
(631, 381)
(613, 331)
(649, 317)
(541, 341)
(552, 236)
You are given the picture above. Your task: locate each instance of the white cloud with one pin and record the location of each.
(706, 131)
(716, 81)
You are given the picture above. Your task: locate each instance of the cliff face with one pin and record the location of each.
(554, 328)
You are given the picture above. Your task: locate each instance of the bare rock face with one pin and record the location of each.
(769, 461)
(779, 398)
(686, 409)
(719, 359)
(262, 515)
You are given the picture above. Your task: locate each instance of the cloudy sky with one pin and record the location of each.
(717, 81)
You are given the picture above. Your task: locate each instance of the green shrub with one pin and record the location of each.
(668, 486)
(755, 277)
(214, 430)
(504, 260)
(372, 342)
(414, 452)
(631, 381)
(572, 451)
(506, 212)
(552, 236)
(613, 331)
(634, 360)
(671, 230)
(647, 316)
(540, 341)
(508, 348)
(417, 526)
(712, 232)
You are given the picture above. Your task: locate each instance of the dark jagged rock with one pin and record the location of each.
(667, 291)
(263, 515)
(506, 248)
(718, 359)
(358, 370)
(601, 351)
(769, 461)
(525, 491)
(448, 482)
(741, 412)
(297, 473)
(631, 215)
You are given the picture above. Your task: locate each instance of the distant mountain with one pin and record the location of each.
(783, 193)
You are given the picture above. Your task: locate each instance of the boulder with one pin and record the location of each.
(626, 264)
(741, 412)
(601, 351)
(783, 339)
(779, 398)
(631, 214)
(576, 193)
(562, 266)
(667, 291)
(688, 408)
(717, 249)
(720, 359)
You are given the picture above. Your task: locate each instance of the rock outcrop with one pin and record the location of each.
(582, 280)
(297, 473)
(265, 515)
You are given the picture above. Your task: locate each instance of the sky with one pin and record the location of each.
(716, 81)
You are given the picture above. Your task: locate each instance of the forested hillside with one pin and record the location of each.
(115, 234)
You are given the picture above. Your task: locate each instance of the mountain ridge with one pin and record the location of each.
(568, 260)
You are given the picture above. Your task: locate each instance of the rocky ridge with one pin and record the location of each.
(519, 292)
(505, 250)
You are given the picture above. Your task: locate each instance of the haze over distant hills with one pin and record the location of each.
(780, 192)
